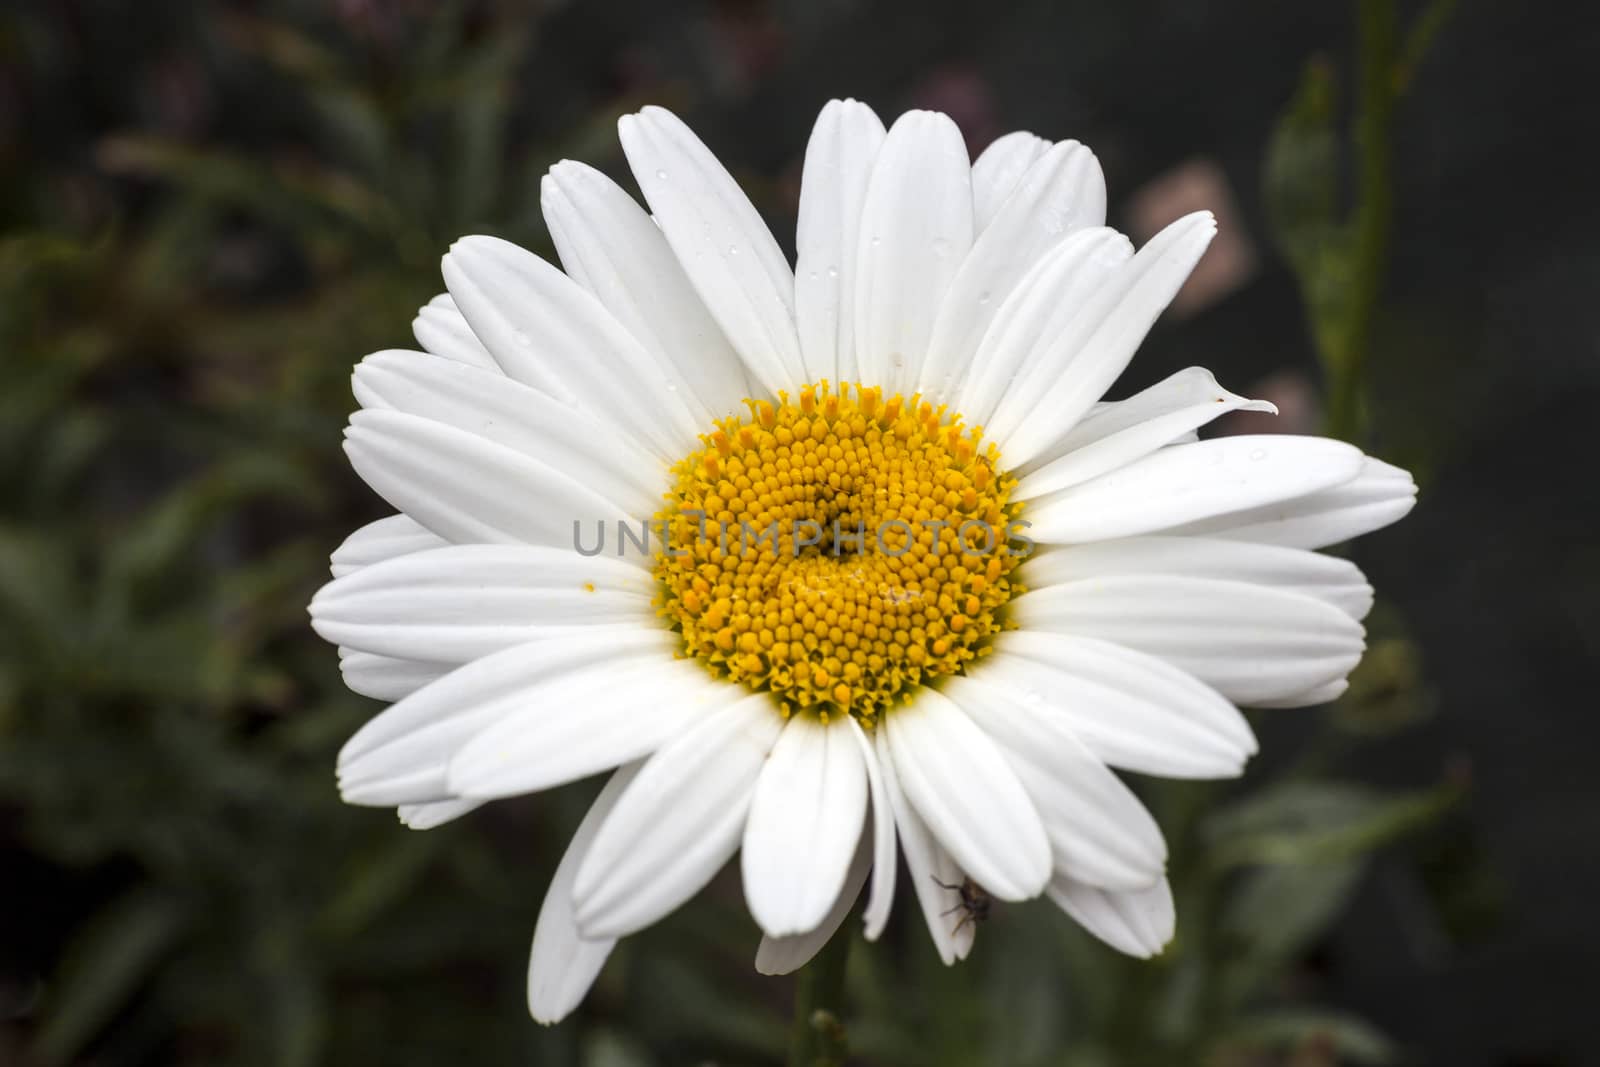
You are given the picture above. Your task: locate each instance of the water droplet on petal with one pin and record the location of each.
(1258, 455)
(833, 272)
(661, 174)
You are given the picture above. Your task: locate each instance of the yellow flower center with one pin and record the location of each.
(840, 550)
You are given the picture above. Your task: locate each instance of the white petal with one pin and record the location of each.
(591, 719)
(997, 170)
(1379, 495)
(430, 816)
(548, 332)
(883, 836)
(460, 602)
(585, 448)
(1063, 191)
(1099, 831)
(1139, 923)
(1071, 368)
(610, 246)
(785, 955)
(916, 228)
(468, 489)
(965, 790)
(1249, 642)
(563, 963)
(1192, 385)
(385, 678)
(718, 236)
(833, 186)
(1130, 709)
(441, 329)
(1133, 428)
(384, 539)
(1328, 578)
(402, 755)
(678, 823)
(1322, 694)
(1049, 297)
(1181, 484)
(930, 867)
(807, 814)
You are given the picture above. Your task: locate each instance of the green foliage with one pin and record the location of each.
(1340, 252)
(1301, 191)
(178, 316)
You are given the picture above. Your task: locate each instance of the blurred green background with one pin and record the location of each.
(210, 211)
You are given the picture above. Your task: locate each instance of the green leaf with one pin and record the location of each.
(614, 1047)
(1301, 195)
(478, 117)
(375, 880)
(1347, 1038)
(299, 195)
(164, 535)
(1317, 822)
(1276, 913)
(110, 961)
(1419, 40)
(1302, 165)
(38, 596)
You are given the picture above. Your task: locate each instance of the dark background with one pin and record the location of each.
(209, 212)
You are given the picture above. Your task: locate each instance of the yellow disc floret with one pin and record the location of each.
(838, 550)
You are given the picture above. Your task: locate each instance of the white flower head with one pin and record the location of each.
(810, 630)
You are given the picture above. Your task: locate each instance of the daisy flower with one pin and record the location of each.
(975, 591)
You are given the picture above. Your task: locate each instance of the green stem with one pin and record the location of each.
(1374, 214)
(818, 1036)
